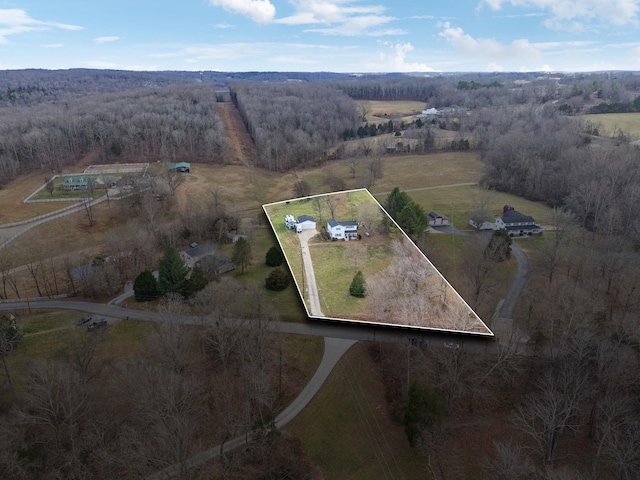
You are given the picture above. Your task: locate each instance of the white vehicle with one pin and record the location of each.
(298, 228)
(290, 221)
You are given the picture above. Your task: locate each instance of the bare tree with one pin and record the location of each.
(49, 185)
(171, 341)
(80, 351)
(87, 202)
(56, 398)
(509, 462)
(173, 180)
(370, 216)
(331, 205)
(353, 166)
(318, 205)
(545, 414)
(150, 209)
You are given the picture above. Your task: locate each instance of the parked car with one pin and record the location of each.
(97, 325)
(83, 320)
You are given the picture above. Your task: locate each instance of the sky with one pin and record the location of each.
(351, 36)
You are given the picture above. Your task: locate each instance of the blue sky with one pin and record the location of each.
(322, 35)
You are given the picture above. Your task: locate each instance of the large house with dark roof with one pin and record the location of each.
(516, 223)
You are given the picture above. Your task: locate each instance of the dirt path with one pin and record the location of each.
(242, 149)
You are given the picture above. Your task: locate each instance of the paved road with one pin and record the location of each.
(334, 349)
(311, 287)
(320, 328)
(517, 286)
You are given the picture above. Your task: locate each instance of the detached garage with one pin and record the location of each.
(306, 222)
(437, 220)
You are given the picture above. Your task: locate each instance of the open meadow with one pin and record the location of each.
(610, 124)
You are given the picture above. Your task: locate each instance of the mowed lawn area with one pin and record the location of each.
(335, 265)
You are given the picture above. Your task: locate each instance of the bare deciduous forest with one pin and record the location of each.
(562, 404)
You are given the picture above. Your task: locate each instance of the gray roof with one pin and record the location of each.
(306, 218)
(349, 223)
(198, 250)
(434, 215)
(516, 217)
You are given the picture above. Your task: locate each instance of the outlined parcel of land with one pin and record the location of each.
(326, 239)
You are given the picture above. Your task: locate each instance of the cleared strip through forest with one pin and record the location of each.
(242, 151)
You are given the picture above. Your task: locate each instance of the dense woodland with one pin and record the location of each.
(566, 405)
(293, 124)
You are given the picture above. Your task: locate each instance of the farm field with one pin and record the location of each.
(383, 111)
(609, 124)
(385, 259)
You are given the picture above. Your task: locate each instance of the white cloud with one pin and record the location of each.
(327, 12)
(223, 26)
(341, 17)
(494, 67)
(54, 45)
(634, 54)
(487, 47)
(106, 39)
(396, 60)
(363, 25)
(260, 11)
(16, 20)
(571, 13)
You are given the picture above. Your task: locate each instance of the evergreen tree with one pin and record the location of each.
(424, 410)
(358, 287)
(413, 219)
(274, 257)
(396, 201)
(172, 272)
(241, 254)
(196, 282)
(145, 287)
(277, 280)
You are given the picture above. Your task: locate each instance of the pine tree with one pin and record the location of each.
(273, 257)
(172, 272)
(277, 280)
(145, 287)
(358, 287)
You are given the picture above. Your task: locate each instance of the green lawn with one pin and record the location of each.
(458, 202)
(609, 124)
(59, 192)
(335, 264)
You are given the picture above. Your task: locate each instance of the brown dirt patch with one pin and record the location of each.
(242, 149)
(12, 196)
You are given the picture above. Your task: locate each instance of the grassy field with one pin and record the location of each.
(458, 202)
(609, 124)
(12, 196)
(59, 192)
(347, 431)
(334, 268)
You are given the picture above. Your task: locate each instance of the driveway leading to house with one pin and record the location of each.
(311, 288)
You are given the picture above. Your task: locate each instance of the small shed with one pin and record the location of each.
(437, 219)
(306, 222)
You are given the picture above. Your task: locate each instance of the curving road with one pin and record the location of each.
(334, 349)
